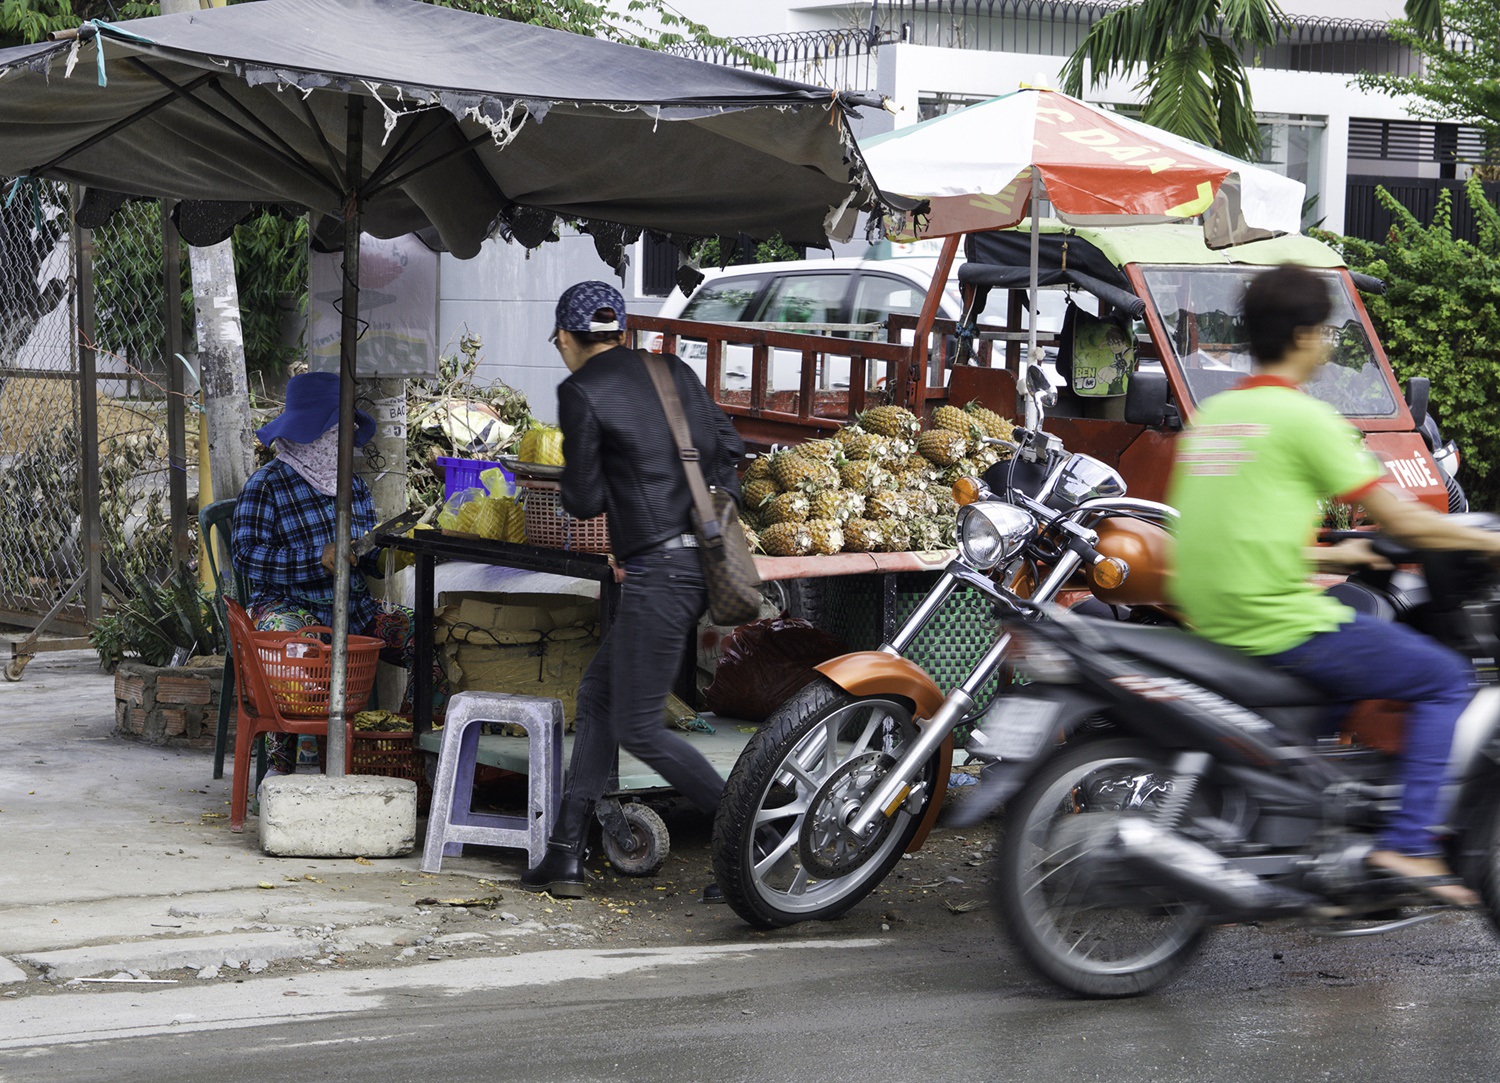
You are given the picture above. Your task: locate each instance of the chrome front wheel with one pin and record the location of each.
(782, 850)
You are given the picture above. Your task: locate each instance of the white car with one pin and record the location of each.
(848, 297)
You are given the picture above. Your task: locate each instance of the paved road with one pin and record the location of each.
(805, 1004)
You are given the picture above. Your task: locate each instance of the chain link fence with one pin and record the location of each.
(44, 503)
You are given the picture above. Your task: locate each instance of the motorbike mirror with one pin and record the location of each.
(1036, 380)
(1146, 399)
(1418, 390)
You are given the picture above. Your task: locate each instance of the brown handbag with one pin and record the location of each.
(728, 568)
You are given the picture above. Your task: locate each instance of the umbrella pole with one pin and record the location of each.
(1036, 247)
(344, 505)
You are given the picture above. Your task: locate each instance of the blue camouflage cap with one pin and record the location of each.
(579, 302)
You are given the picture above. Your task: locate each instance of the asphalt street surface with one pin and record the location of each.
(805, 1004)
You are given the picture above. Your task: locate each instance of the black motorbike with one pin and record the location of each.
(1155, 784)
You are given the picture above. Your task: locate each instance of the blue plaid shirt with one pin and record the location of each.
(281, 524)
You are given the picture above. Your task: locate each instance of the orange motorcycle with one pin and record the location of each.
(851, 771)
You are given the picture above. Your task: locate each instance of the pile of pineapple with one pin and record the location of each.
(880, 484)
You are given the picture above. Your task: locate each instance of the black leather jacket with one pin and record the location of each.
(619, 452)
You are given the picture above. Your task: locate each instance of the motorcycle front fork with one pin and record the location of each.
(896, 786)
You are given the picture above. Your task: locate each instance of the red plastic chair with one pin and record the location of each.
(258, 712)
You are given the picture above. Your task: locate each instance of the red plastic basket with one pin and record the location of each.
(299, 668)
(549, 526)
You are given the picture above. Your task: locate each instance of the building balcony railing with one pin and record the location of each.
(844, 57)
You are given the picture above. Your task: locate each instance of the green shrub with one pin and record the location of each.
(1440, 317)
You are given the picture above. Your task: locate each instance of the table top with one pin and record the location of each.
(596, 565)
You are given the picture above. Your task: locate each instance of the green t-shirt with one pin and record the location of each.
(1247, 481)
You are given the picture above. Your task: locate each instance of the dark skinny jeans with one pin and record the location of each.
(624, 690)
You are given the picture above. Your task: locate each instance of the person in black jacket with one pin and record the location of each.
(620, 458)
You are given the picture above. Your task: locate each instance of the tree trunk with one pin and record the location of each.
(221, 347)
(221, 365)
(383, 463)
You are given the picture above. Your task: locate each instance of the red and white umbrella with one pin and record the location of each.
(981, 167)
(984, 167)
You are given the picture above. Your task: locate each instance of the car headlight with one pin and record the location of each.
(991, 532)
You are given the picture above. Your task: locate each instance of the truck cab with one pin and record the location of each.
(1156, 303)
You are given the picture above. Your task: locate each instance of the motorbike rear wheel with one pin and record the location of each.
(780, 851)
(1058, 906)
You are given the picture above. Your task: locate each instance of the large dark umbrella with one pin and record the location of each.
(391, 116)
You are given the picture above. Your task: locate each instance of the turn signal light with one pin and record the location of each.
(966, 490)
(1109, 573)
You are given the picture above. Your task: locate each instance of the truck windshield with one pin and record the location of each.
(1200, 309)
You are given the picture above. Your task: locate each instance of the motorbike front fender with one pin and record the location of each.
(875, 673)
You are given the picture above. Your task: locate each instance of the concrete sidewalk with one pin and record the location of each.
(117, 857)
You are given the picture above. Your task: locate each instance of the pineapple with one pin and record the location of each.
(963, 468)
(893, 421)
(863, 476)
(922, 502)
(785, 508)
(887, 504)
(988, 456)
(827, 450)
(787, 540)
(990, 423)
(866, 445)
(827, 536)
(927, 533)
(841, 505)
(863, 536)
(807, 473)
(895, 537)
(752, 537)
(953, 419)
(942, 446)
(760, 467)
(542, 444)
(756, 492)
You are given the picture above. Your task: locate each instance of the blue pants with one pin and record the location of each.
(1374, 659)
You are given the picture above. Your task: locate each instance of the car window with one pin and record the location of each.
(810, 298)
(724, 300)
(877, 296)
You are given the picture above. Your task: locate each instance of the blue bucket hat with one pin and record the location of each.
(579, 302)
(312, 408)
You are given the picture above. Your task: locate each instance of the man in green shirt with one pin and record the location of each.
(1249, 477)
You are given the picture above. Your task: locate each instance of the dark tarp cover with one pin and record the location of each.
(1002, 259)
(468, 120)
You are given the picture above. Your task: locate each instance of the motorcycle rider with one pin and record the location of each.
(1250, 477)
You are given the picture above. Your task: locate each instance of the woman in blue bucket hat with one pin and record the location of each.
(284, 533)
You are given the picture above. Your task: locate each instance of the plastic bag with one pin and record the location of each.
(765, 663)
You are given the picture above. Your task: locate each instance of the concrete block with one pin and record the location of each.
(10, 972)
(352, 816)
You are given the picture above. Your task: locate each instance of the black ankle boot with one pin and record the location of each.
(559, 873)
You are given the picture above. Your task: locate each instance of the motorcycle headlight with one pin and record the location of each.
(991, 532)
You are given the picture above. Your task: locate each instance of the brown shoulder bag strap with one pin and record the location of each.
(661, 376)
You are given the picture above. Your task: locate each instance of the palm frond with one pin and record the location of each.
(1426, 17)
(1239, 134)
(1252, 22)
(1180, 93)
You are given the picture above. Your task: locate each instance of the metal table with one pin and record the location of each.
(431, 546)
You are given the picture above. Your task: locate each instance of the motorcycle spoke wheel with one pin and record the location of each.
(781, 852)
(1092, 932)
